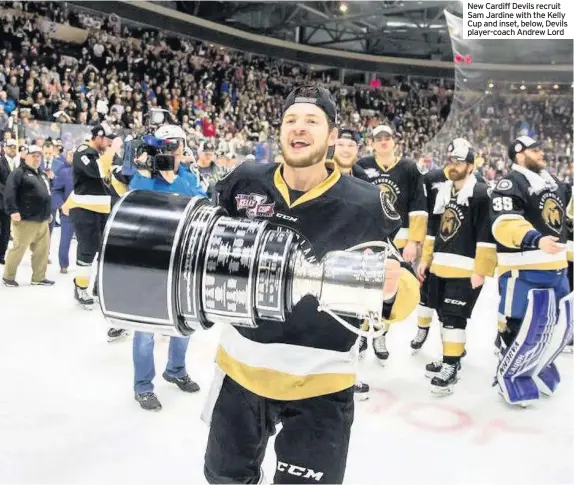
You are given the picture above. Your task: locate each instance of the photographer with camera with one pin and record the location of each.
(158, 161)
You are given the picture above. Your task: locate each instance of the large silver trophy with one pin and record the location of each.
(174, 264)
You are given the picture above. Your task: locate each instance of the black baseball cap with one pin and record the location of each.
(520, 144)
(103, 130)
(208, 147)
(349, 134)
(313, 95)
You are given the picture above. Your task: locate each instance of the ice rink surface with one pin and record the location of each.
(67, 412)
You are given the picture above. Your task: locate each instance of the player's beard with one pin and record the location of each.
(312, 158)
(344, 165)
(457, 175)
(533, 164)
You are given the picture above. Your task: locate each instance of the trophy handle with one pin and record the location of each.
(388, 249)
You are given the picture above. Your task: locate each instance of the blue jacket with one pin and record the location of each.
(62, 185)
(186, 183)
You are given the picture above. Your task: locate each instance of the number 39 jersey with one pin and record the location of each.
(517, 208)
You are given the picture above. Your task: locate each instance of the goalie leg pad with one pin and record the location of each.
(546, 374)
(517, 365)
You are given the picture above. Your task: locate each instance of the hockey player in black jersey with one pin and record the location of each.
(433, 181)
(89, 205)
(300, 373)
(401, 181)
(529, 211)
(462, 255)
(346, 154)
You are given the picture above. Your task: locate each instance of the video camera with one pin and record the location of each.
(147, 152)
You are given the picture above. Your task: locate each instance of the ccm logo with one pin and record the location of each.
(299, 471)
(454, 302)
(287, 218)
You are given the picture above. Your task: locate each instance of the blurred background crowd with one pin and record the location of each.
(229, 103)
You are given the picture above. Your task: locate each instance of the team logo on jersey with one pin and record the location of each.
(255, 205)
(391, 189)
(504, 184)
(389, 207)
(552, 213)
(450, 223)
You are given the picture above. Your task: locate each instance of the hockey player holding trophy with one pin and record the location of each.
(461, 255)
(529, 222)
(282, 263)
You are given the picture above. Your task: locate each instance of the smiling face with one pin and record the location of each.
(305, 135)
(346, 152)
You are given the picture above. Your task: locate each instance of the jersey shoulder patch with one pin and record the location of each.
(504, 184)
(82, 148)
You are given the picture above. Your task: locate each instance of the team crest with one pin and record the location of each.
(504, 184)
(553, 214)
(389, 207)
(255, 205)
(449, 224)
(389, 192)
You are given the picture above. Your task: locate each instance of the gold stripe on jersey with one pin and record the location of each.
(510, 229)
(386, 168)
(529, 260)
(428, 248)
(406, 299)
(105, 165)
(284, 371)
(570, 250)
(418, 225)
(119, 187)
(400, 240)
(448, 265)
(485, 259)
(311, 194)
(94, 203)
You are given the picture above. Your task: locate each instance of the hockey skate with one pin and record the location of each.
(420, 339)
(442, 384)
(361, 390)
(435, 368)
(83, 298)
(380, 348)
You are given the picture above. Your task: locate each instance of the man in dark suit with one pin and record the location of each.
(7, 164)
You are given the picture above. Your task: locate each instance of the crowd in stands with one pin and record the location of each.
(233, 100)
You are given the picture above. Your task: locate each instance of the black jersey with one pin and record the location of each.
(462, 242)
(309, 354)
(90, 169)
(403, 184)
(523, 202)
